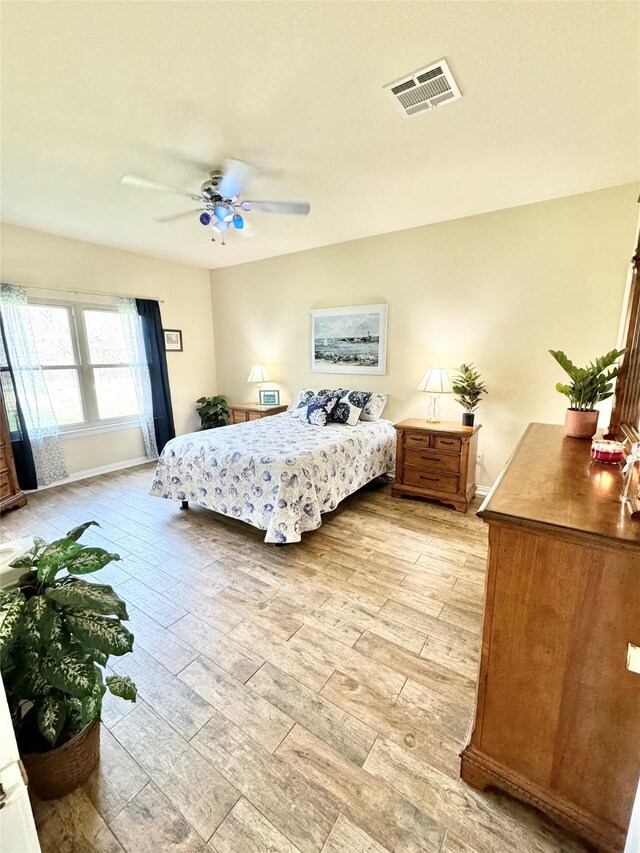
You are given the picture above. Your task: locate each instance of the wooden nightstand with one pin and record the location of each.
(436, 461)
(241, 412)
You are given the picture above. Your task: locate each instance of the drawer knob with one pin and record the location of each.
(431, 458)
(424, 477)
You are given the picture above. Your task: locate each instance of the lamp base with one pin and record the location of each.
(433, 410)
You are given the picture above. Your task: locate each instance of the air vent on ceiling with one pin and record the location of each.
(425, 89)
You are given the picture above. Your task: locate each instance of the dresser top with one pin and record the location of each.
(450, 427)
(551, 481)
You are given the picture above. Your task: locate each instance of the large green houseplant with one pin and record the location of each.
(469, 387)
(57, 632)
(589, 386)
(213, 411)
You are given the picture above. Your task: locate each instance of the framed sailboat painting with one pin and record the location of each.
(349, 340)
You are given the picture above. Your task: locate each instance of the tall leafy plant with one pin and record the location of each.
(57, 631)
(589, 385)
(468, 385)
(213, 411)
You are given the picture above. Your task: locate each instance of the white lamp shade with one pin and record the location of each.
(258, 373)
(435, 381)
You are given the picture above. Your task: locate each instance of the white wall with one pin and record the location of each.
(32, 258)
(498, 289)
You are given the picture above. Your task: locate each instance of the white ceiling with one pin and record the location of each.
(93, 90)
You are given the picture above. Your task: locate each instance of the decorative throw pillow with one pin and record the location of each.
(373, 409)
(349, 406)
(319, 407)
(301, 401)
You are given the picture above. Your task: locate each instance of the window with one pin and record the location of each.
(83, 355)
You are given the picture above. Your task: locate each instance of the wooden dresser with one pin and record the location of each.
(437, 461)
(10, 495)
(241, 412)
(558, 710)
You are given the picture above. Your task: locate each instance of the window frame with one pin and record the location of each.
(85, 368)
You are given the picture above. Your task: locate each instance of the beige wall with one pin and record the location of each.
(498, 289)
(45, 261)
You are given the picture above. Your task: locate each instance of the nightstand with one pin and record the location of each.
(436, 461)
(241, 412)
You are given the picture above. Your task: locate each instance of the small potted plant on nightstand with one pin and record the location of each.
(589, 386)
(57, 632)
(469, 387)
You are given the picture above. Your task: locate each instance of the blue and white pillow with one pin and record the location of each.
(319, 407)
(301, 401)
(349, 406)
(373, 408)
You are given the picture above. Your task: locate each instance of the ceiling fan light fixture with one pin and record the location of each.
(238, 222)
(220, 225)
(223, 213)
(205, 218)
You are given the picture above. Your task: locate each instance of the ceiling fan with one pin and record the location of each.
(219, 196)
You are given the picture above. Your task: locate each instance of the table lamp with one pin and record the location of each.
(258, 374)
(435, 382)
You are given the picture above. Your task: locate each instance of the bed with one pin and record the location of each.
(278, 474)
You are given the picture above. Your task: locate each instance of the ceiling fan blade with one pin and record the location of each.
(146, 184)
(297, 208)
(236, 175)
(176, 216)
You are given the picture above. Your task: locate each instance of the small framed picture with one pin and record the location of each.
(172, 340)
(269, 398)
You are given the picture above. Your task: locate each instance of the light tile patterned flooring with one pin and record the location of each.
(294, 700)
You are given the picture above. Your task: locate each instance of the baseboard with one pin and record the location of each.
(483, 491)
(95, 472)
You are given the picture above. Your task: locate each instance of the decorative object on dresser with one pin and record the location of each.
(558, 709)
(259, 375)
(435, 382)
(213, 411)
(589, 386)
(57, 632)
(241, 412)
(469, 387)
(11, 496)
(436, 461)
(269, 398)
(349, 340)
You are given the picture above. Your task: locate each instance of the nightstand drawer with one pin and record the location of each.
(432, 460)
(253, 416)
(431, 480)
(416, 441)
(238, 417)
(442, 442)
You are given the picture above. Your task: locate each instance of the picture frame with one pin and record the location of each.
(172, 340)
(349, 340)
(269, 398)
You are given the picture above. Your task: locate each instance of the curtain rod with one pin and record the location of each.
(87, 292)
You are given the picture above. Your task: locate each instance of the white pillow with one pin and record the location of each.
(301, 402)
(374, 407)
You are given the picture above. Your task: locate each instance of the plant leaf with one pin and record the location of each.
(77, 532)
(71, 674)
(97, 598)
(99, 632)
(51, 717)
(11, 610)
(23, 562)
(123, 686)
(55, 557)
(88, 560)
(41, 613)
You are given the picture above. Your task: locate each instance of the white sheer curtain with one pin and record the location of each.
(138, 363)
(31, 387)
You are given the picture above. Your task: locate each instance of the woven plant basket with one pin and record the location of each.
(56, 773)
(580, 424)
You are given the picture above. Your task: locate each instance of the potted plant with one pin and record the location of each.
(57, 631)
(213, 411)
(589, 386)
(469, 387)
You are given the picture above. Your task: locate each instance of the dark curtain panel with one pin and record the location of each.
(149, 311)
(20, 444)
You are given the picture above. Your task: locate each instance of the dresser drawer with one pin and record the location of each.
(432, 460)
(445, 442)
(5, 484)
(430, 480)
(416, 441)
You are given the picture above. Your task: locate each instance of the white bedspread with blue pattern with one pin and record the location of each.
(278, 473)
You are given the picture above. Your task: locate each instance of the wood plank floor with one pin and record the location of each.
(307, 699)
